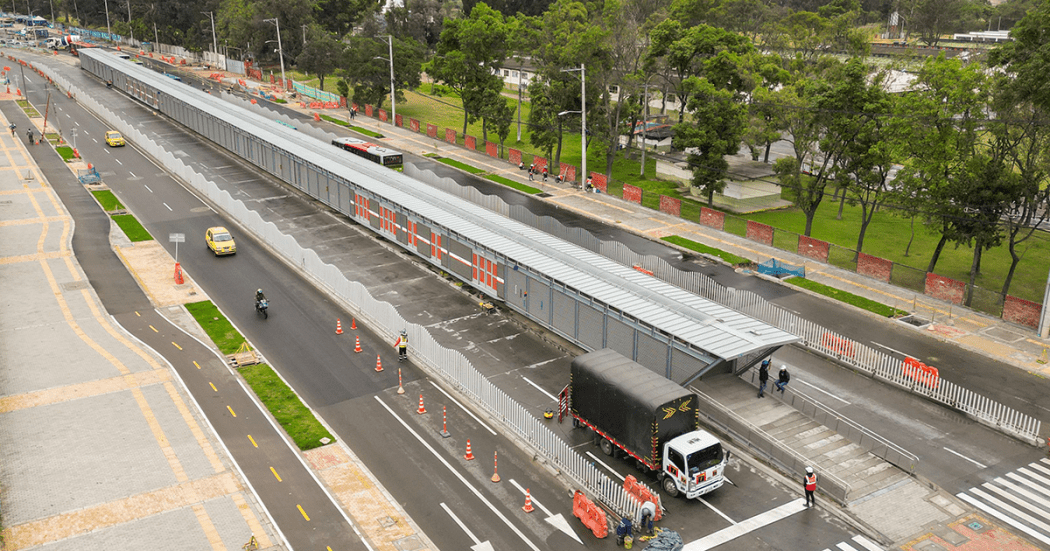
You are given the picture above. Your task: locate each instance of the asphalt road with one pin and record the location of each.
(298, 339)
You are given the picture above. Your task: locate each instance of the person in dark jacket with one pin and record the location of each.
(783, 378)
(763, 378)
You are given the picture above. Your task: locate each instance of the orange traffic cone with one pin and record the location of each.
(495, 466)
(470, 454)
(357, 344)
(353, 323)
(421, 409)
(528, 508)
(379, 364)
(338, 327)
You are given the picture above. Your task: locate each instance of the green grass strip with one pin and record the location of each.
(218, 328)
(286, 407)
(132, 228)
(847, 297)
(512, 184)
(66, 152)
(108, 201)
(334, 120)
(358, 129)
(461, 166)
(701, 248)
(279, 399)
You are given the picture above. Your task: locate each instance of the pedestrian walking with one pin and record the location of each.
(763, 378)
(532, 173)
(587, 186)
(544, 174)
(783, 378)
(402, 346)
(353, 113)
(809, 483)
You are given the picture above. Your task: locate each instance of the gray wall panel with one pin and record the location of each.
(591, 330)
(620, 337)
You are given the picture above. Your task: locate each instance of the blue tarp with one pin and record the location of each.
(776, 268)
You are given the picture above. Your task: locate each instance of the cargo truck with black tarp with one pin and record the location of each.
(647, 417)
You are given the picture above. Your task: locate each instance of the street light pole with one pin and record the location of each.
(214, 42)
(393, 107)
(131, 29)
(280, 50)
(583, 115)
(645, 124)
(108, 31)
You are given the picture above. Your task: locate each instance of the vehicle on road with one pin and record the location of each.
(261, 307)
(114, 139)
(220, 241)
(647, 417)
(370, 151)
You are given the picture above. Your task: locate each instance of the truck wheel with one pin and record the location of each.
(670, 487)
(607, 447)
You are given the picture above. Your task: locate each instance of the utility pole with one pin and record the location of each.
(280, 51)
(130, 27)
(214, 42)
(108, 30)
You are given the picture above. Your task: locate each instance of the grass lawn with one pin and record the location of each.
(461, 166)
(512, 184)
(65, 151)
(848, 298)
(285, 406)
(701, 248)
(132, 228)
(108, 201)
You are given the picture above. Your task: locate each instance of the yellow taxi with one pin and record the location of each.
(220, 241)
(114, 139)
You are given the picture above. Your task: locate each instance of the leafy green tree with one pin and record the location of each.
(370, 77)
(419, 19)
(322, 55)
(496, 115)
(717, 126)
(1027, 59)
(339, 16)
(544, 121)
(932, 19)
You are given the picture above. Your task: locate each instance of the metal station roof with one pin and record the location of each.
(709, 326)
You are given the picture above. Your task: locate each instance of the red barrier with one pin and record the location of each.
(643, 270)
(921, 373)
(592, 517)
(642, 494)
(838, 345)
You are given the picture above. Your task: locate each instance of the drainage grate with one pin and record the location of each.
(915, 321)
(411, 543)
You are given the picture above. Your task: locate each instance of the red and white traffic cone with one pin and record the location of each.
(353, 323)
(338, 327)
(357, 344)
(379, 364)
(495, 466)
(400, 389)
(470, 454)
(528, 508)
(444, 423)
(421, 409)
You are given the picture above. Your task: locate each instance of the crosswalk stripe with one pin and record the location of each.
(1011, 509)
(1040, 468)
(845, 546)
(1026, 493)
(1028, 481)
(754, 523)
(1005, 518)
(1015, 499)
(866, 543)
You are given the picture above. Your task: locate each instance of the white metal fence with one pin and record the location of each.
(450, 365)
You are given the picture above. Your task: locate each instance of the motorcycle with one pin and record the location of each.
(261, 308)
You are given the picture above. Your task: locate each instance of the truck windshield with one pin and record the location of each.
(705, 459)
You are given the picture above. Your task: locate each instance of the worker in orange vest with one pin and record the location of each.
(810, 484)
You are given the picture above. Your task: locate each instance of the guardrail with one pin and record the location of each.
(854, 432)
(451, 366)
(748, 435)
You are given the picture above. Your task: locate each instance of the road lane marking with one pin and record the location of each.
(213, 386)
(866, 543)
(892, 350)
(176, 345)
(300, 507)
(274, 471)
(981, 465)
(169, 208)
(608, 468)
(154, 329)
(1002, 516)
(470, 534)
(535, 501)
(750, 525)
(252, 441)
(470, 413)
(720, 513)
(548, 394)
(132, 174)
(196, 364)
(231, 411)
(825, 392)
(118, 162)
(147, 188)
(138, 314)
(461, 478)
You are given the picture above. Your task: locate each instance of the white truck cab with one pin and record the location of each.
(693, 464)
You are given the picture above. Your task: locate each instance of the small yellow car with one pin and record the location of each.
(220, 241)
(114, 139)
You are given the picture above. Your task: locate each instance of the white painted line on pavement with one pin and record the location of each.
(1003, 517)
(845, 546)
(461, 525)
(548, 394)
(1023, 491)
(825, 392)
(1036, 523)
(169, 208)
(147, 188)
(132, 174)
(1016, 499)
(470, 413)
(866, 543)
(608, 468)
(118, 162)
(475, 491)
(1034, 476)
(981, 465)
(545, 362)
(720, 513)
(1040, 468)
(893, 350)
(535, 501)
(711, 541)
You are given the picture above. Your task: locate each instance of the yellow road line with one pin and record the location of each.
(253, 441)
(231, 411)
(154, 329)
(176, 345)
(274, 471)
(213, 386)
(196, 364)
(300, 507)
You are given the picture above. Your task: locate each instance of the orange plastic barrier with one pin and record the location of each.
(921, 373)
(317, 118)
(642, 494)
(591, 515)
(837, 345)
(643, 270)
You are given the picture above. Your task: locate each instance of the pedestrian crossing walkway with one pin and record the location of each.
(858, 543)
(1021, 499)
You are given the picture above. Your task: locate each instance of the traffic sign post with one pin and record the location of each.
(177, 238)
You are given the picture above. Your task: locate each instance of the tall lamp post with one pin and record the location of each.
(214, 42)
(280, 51)
(645, 124)
(393, 106)
(108, 31)
(583, 115)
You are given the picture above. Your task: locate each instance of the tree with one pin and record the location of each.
(718, 119)
(419, 19)
(544, 121)
(1027, 58)
(496, 115)
(322, 55)
(469, 55)
(370, 77)
(339, 16)
(933, 18)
